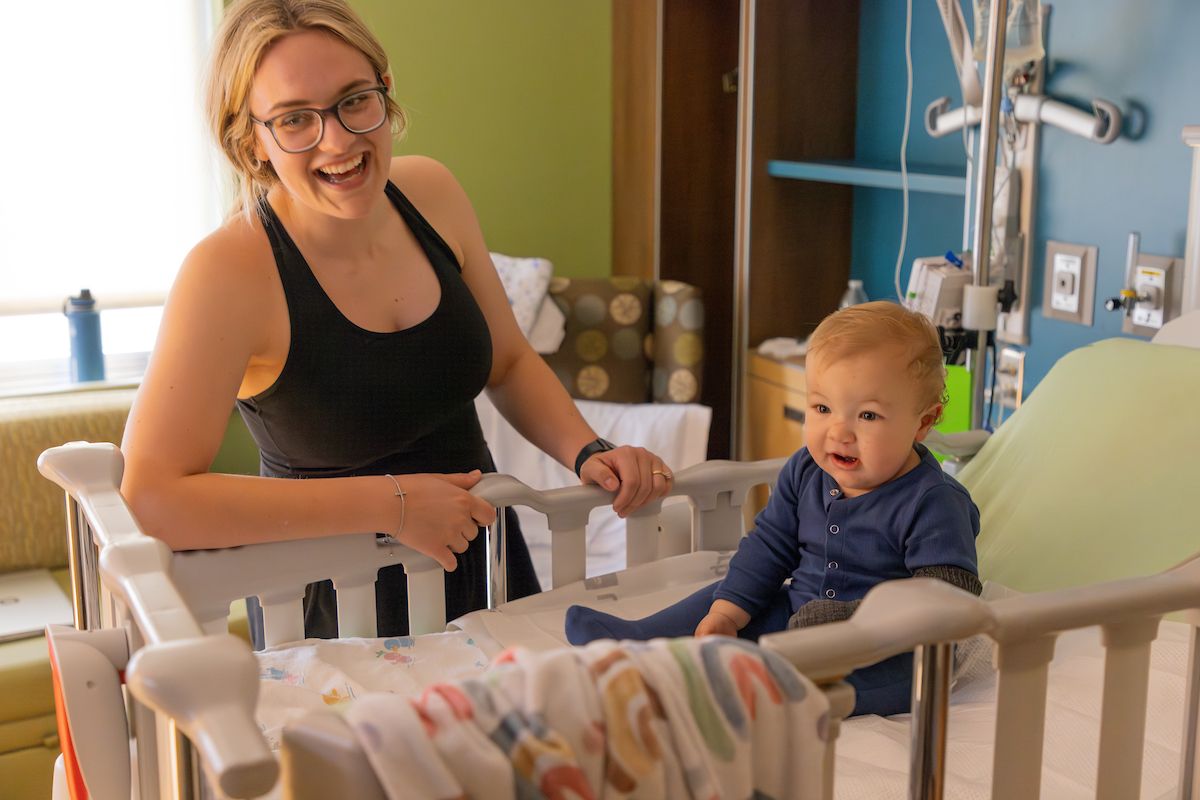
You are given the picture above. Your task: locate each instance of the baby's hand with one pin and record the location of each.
(716, 624)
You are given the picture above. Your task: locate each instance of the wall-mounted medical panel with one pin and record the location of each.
(1070, 288)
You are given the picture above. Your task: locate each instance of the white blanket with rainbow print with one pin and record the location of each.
(688, 718)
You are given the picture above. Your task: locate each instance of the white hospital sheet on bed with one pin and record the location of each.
(676, 432)
(317, 673)
(872, 752)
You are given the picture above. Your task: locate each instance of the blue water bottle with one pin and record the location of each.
(87, 354)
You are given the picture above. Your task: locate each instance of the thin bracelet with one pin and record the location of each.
(403, 502)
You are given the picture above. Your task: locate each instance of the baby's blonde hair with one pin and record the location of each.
(248, 28)
(859, 328)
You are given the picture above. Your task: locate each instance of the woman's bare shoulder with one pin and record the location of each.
(430, 185)
(232, 269)
(437, 194)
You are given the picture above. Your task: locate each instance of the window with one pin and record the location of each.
(109, 175)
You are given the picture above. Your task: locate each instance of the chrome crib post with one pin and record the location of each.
(497, 562)
(932, 666)
(84, 572)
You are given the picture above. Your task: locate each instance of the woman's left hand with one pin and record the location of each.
(634, 473)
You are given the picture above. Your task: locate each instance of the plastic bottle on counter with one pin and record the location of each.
(854, 294)
(87, 353)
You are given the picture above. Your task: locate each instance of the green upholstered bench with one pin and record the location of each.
(33, 536)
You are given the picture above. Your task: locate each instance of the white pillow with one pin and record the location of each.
(525, 282)
(549, 328)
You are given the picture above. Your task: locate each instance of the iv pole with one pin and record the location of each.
(981, 241)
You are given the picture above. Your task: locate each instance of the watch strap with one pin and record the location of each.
(590, 449)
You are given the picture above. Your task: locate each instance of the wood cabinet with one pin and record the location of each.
(738, 83)
(773, 415)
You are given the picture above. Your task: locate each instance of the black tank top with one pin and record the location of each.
(355, 402)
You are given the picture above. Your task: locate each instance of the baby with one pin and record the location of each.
(863, 502)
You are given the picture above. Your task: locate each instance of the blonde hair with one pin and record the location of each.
(248, 28)
(857, 329)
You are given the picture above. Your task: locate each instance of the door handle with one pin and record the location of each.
(794, 414)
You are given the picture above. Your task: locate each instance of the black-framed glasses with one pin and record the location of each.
(301, 129)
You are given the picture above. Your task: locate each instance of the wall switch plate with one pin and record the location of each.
(1070, 291)
(1159, 279)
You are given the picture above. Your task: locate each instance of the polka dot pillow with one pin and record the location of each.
(615, 351)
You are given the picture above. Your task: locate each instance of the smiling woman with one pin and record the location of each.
(352, 311)
(89, 203)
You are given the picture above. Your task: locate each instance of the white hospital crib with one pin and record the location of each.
(162, 617)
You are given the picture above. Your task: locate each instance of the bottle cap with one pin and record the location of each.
(83, 300)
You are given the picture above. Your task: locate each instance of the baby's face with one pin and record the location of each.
(864, 414)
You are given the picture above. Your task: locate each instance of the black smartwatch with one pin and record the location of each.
(590, 449)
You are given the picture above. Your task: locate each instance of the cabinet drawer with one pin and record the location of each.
(775, 420)
(788, 374)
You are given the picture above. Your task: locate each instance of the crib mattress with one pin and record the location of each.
(872, 752)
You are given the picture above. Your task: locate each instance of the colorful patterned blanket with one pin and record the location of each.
(684, 718)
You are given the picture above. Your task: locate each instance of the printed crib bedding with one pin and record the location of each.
(684, 718)
(669, 718)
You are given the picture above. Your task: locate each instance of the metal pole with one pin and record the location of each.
(497, 563)
(982, 240)
(81, 563)
(740, 332)
(930, 705)
(182, 761)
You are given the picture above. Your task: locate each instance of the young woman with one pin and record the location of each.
(352, 310)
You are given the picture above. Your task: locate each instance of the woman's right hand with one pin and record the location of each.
(441, 516)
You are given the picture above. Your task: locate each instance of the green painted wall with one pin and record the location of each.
(515, 97)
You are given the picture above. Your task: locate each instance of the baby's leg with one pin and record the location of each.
(587, 624)
(884, 688)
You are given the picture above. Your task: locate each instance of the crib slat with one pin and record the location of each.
(426, 599)
(641, 536)
(568, 555)
(356, 606)
(283, 618)
(1189, 786)
(1020, 718)
(1123, 713)
(717, 525)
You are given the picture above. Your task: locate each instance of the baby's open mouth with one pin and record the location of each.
(343, 171)
(844, 461)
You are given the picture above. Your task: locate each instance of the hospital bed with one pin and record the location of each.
(1086, 498)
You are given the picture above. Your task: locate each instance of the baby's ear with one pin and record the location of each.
(930, 417)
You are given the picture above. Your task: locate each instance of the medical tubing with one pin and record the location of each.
(908, 67)
(403, 495)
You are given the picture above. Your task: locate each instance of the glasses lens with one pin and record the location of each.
(298, 130)
(363, 112)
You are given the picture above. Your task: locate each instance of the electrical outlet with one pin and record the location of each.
(1070, 282)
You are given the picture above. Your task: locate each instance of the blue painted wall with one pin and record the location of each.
(1140, 55)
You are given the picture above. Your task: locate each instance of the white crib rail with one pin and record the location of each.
(211, 684)
(177, 604)
(901, 615)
